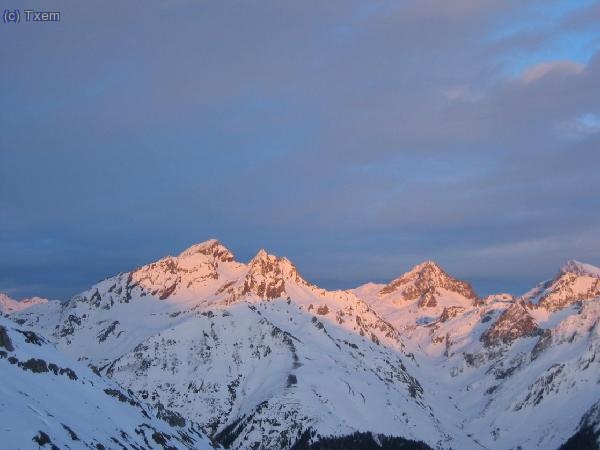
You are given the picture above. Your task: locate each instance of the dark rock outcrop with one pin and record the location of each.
(513, 323)
(5, 341)
(423, 283)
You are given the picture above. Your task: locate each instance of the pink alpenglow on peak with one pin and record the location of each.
(575, 282)
(427, 282)
(9, 305)
(581, 269)
(253, 344)
(211, 247)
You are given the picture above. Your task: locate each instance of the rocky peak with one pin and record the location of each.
(264, 263)
(575, 282)
(267, 276)
(212, 247)
(424, 282)
(194, 267)
(580, 269)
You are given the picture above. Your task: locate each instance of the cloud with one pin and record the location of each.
(356, 139)
(551, 67)
(580, 127)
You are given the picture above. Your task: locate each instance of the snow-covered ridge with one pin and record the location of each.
(9, 305)
(263, 359)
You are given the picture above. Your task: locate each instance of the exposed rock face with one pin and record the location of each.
(450, 312)
(193, 266)
(424, 282)
(267, 275)
(261, 358)
(542, 344)
(52, 402)
(580, 269)
(575, 282)
(5, 341)
(514, 323)
(567, 289)
(211, 248)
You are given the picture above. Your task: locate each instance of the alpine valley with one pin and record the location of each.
(201, 351)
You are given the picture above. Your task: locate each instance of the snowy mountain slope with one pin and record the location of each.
(265, 373)
(264, 359)
(49, 401)
(245, 347)
(120, 312)
(509, 368)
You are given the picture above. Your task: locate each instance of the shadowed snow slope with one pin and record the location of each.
(49, 401)
(263, 359)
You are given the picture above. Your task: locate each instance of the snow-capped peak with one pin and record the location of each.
(262, 359)
(268, 275)
(580, 269)
(211, 247)
(427, 266)
(427, 281)
(575, 281)
(265, 262)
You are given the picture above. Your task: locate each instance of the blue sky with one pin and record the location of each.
(356, 138)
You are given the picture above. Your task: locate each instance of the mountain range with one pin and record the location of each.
(199, 350)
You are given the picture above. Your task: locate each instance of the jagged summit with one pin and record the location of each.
(262, 359)
(211, 247)
(264, 262)
(268, 275)
(427, 282)
(427, 266)
(575, 281)
(580, 269)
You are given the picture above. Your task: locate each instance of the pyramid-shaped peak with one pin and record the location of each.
(266, 262)
(211, 247)
(427, 266)
(262, 255)
(424, 280)
(580, 269)
(269, 276)
(427, 270)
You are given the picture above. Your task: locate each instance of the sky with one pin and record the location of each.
(357, 138)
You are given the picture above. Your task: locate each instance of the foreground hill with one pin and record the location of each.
(49, 401)
(263, 359)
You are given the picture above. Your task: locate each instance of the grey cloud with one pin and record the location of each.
(355, 138)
